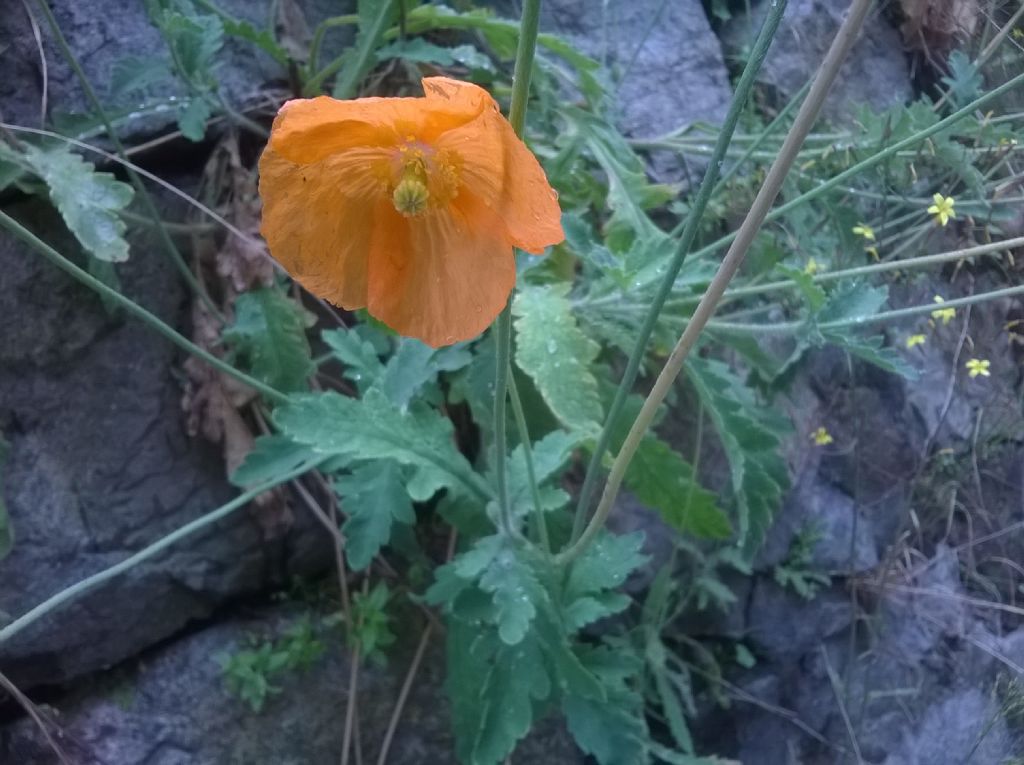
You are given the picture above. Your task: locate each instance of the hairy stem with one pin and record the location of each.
(805, 119)
(147, 201)
(69, 593)
(503, 325)
(743, 89)
(22, 233)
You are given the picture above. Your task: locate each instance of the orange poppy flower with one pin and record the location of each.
(409, 207)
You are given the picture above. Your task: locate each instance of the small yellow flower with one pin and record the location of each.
(873, 252)
(946, 314)
(1018, 33)
(812, 267)
(864, 230)
(942, 209)
(977, 367)
(822, 437)
(915, 340)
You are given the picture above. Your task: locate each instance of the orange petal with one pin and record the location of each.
(310, 129)
(315, 221)
(442, 277)
(499, 170)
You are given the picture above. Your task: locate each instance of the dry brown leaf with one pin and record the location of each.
(934, 27)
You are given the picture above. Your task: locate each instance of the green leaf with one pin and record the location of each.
(591, 608)
(374, 428)
(359, 356)
(673, 709)
(852, 300)
(272, 457)
(750, 436)
(813, 294)
(269, 330)
(418, 50)
(6, 534)
(415, 365)
(610, 734)
(88, 201)
(661, 479)
(192, 119)
(552, 350)
(374, 18)
(549, 455)
(132, 74)
(194, 41)
(874, 351)
(606, 564)
(373, 497)
(261, 38)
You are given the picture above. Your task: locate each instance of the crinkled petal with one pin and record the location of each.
(315, 221)
(310, 129)
(442, 277)
(498, 169)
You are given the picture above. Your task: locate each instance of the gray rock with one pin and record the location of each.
(100, 466)
(783, 626)
(966, 727)
(666, 62)
(173, 708)
(844, 541)
(103, 32)
(877, 73)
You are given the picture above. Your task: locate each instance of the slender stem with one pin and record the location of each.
(321, 30)
(531, 474)
(140, 189)
(366, 43)
(132, 307)
(876, 268)
(884, 316)
(872, 161)
(743, 89)
(845, 38)
(80, 587)
(503, 325)
(403, 694)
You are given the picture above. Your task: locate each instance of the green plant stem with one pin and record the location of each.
(69, 593)
(366, 43)
(318, 37)
(871, 161)
(808, 114)
(531, 474)
(875, 268)
(528, 28)
(133, 308)
(686, 239)
(884, 316)
(147, 200)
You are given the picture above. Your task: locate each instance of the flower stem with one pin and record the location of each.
(80, 587)
(743, 89)
(844, 40)
(22, 233)
(503, 325)
(140, 189)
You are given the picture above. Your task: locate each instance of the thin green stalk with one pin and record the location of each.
(132, 307)
(318, 37)
(366, 42)
(877, 268)
(69, 593)
(531, 475)
(870, 162)
(860, 321)
(686, 239)
(528, 28)
(140, 189)
(844, 40)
